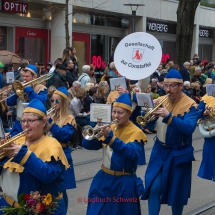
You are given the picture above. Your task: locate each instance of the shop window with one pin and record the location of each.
(3, 38)
(168, 49)
(205, 52)
(32, 49)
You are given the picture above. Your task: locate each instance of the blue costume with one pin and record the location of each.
(64, 134)
(39, 167)
(115, 189)
(38, 91)
(168, 175)
(207, 167)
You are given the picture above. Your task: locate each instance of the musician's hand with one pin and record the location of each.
(122, 90)
(105, 131)
(12, 150)
(155, 101)
(207, 111)
(161, 112)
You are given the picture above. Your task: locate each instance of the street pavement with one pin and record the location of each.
(87, 163)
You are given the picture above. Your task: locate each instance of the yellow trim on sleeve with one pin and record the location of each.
(34, 110)
(169, 120)
(25, 158)
(112, 140)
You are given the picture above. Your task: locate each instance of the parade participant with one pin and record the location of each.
(117, 182)
(37, 91)
(62, 128)
(168, 175)
(35, 163)
(206, 107)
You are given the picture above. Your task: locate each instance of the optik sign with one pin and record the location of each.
(14, 7)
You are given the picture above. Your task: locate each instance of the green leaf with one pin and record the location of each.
(21, 196)
(21, 212)
(22, 203)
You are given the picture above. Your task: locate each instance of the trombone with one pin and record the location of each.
(90, 133)
(143, 120)
(18, 87)
(11, 140)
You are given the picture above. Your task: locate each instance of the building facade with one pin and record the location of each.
(96, 27)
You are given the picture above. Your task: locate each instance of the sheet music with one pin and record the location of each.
(9, 77)
(210, 89)
(117, 82)
(100, 111)
(145, 100)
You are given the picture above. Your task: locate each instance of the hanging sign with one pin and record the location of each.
(137, 55)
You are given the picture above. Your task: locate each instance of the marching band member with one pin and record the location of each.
(35, 163)
(38, 91)
(168, 175)
(116, 186)
(62, 127)
(206, 107)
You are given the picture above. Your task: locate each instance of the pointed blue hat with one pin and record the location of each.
(173, 76)
(123, 101)
(62, 91)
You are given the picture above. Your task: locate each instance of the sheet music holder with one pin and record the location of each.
(100, 112)
(210, 89)
(145, 100)
(118, 82)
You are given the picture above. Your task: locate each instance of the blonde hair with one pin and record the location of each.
(193, 85)
(51, 90)
(208, 81)
(81, 93)
(88, 86)
(64, 111)
(149, 86)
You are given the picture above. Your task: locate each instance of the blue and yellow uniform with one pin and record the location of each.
(116, 187)
(39, 167)
(38, 91)
(168, 175)
(207, 167)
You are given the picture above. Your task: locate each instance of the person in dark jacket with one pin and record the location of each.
(60, 78)
(184, 71)
(93, 93)
(70, 77)
(160, 89)
(186, 89)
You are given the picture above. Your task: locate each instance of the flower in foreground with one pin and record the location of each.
(48, 199)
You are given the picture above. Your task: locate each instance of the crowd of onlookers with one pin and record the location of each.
(83, 89)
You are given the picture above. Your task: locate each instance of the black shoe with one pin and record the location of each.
(146, 132)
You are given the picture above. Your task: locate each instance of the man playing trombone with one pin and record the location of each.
(116, 188)
(168, 175)
(36, 91)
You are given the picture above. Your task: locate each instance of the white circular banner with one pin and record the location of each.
(137, 55)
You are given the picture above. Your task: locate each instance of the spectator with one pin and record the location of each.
(49, 66)
(74, 58)
(197, 95)
(196, 75)
(192, 89)
(160, 89)
(208, 81)
(88, 86)
(184, 71)
(154, 82)
(154, 94)
(70, 77)
(60, 78)
(186, 89)
(164, 72)
(85, 77)
(111, 70)
(65, 56)
(102, 93)
(76, 109)
(192, 68)
(210, 70)
(76, 85)
(1, 76)
(93, 93)
(92, 74)
(148, 89)
(23, 64)
(205, 73)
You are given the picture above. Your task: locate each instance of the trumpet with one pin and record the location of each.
(51, 112)
(143, 120)
(18, 87)
(11, 140)
(90, 133)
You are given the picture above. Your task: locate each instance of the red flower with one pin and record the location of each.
(26, 197)
(40, 207)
